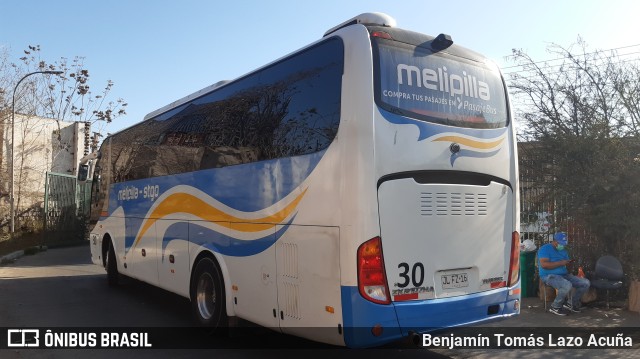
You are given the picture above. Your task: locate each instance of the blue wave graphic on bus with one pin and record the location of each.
(476, 143)
(263, 184)
(479, 149)
(176, 231)
(473, 154)
(430, 129)
(221, 243)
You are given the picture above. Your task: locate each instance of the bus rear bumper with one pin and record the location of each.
(479, 308)
(401, 319)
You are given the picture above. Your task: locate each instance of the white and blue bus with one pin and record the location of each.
(365, 185)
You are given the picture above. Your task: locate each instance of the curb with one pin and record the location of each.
(6, 259)
(9, 258)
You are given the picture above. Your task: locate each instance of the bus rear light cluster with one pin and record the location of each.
(372, 280)
(514, 262)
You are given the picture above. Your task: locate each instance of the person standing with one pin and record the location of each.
(553, 259)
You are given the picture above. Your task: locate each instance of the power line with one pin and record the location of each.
(533, 75)
(621, 58)
(562, 64)
(581, 55)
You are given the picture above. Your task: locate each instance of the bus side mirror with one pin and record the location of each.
(83, 173)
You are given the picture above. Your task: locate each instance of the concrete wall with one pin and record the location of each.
(41, 145)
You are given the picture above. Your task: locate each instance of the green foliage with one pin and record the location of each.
(69, 97)
(582, 112)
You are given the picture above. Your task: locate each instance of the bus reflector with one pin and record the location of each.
(329, 309)
(372, 281)
(401, 297)
(377, 330)
(514, 262)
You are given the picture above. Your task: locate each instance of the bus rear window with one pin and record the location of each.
(415, 82)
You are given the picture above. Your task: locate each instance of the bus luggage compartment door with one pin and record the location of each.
(444, 240)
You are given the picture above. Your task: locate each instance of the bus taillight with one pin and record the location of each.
(381, 34)
(372, 281)
(514, 262)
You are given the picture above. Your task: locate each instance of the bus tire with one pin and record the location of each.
(111, 265)
(208, 302)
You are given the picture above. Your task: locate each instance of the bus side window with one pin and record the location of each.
(83, 173)
(96, 186)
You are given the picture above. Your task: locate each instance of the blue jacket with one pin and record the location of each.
(554, 255)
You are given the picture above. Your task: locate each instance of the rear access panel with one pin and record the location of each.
(444, 240)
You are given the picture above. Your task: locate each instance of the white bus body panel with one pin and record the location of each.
(251, 289)
(454, 236)
(142, 261)
(357, 192)
(431, 230)
(308, 283)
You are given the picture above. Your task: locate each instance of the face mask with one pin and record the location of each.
(560, 247)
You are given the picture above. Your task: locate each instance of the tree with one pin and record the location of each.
(582, 110)
(66, 98)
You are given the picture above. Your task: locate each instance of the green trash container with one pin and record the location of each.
(527, 273)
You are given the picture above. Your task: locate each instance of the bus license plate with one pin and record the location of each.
(458, 280)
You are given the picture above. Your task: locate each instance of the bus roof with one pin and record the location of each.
(185, 99)
(371, 20)
(368, 18)
(374, 18)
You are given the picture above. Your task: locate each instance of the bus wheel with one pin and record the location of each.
(112, 266)
(207, 294)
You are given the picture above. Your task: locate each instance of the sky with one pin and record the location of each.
(158, 51)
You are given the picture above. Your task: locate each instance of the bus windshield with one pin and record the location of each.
(438, 87)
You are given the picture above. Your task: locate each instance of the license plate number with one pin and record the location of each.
(452, 281)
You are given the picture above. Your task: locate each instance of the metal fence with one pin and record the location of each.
(66, 205)
(544, 211)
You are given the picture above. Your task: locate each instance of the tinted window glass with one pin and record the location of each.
(437, 87)
(288, 109)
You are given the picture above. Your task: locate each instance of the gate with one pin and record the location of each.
(65, 206)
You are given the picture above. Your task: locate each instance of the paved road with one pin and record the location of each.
(61, 288)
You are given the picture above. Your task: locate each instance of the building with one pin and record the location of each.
(41, 145)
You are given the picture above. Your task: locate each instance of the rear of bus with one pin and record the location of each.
(447, 190)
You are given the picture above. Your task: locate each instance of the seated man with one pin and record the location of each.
(553, 259)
